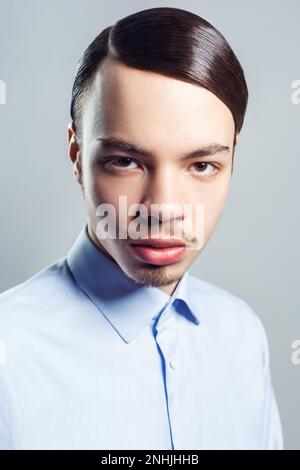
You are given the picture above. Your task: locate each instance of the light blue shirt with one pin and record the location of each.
(91, 360)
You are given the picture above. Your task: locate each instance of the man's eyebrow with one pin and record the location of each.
(113, 143)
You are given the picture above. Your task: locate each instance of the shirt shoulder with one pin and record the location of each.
(46, 290)
(228, 314)
(220, 297)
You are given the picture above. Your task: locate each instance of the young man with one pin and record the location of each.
(117, 345)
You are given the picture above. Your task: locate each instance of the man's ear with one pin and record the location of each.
(74, 152)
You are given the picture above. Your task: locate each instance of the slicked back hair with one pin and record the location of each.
(172, 42)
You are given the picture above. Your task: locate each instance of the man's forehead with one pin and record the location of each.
(118, 81)
(122, 95)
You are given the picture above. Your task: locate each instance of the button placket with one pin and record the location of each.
(166, 338)
(166, 335)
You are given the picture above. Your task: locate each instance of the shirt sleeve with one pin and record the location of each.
(272, 429)
(5, 442)
(5, 435)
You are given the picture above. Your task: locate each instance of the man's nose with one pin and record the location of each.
(162, 196)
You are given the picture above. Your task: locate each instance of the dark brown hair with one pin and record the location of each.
(169, 41)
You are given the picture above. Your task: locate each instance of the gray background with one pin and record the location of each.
(254, 252)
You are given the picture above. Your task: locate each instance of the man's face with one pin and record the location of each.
(168, 119)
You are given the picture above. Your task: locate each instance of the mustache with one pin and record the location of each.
(164, 222)
(156, 229)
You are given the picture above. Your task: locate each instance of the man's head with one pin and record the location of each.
(167, 83)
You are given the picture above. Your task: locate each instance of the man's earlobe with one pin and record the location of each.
(77, 169)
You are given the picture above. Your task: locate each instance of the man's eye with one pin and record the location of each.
(120, 163)
(204, 168)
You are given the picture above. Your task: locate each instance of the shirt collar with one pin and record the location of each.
(128, 306)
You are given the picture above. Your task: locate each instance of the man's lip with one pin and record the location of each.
(158, 243)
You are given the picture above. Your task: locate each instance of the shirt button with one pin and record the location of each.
(172, 364)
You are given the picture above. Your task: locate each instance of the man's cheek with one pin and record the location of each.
(211, 215)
